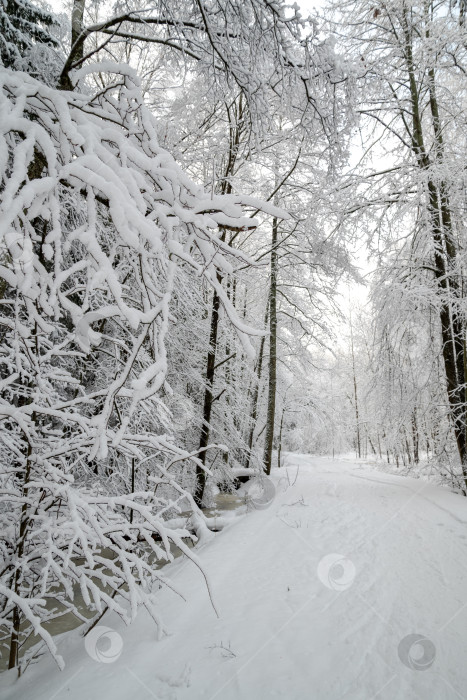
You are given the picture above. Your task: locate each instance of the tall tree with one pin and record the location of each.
(412, 53)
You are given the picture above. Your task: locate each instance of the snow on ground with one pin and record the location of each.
(426, 469)
(294, 621)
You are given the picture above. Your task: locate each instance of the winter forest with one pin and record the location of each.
(233, 349)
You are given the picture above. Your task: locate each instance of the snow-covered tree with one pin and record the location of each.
(22, 26)
(411, 58)
(112, 260)
(95, 218)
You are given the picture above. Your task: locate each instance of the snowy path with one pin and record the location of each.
(292, 635)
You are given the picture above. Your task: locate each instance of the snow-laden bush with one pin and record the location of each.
(95, 217)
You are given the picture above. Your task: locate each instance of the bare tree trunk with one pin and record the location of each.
(272, 365)
(24, 524)
(279, 443)
(235, 116)
(77, 44)
(409, 453)
(415, 437)
(357, 420)
(254, 400)
(208, 400)
(133, 476)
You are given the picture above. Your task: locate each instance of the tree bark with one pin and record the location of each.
(254, 400)
(77, 44)
(208, 400)
(357, 419)
(272, 367)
